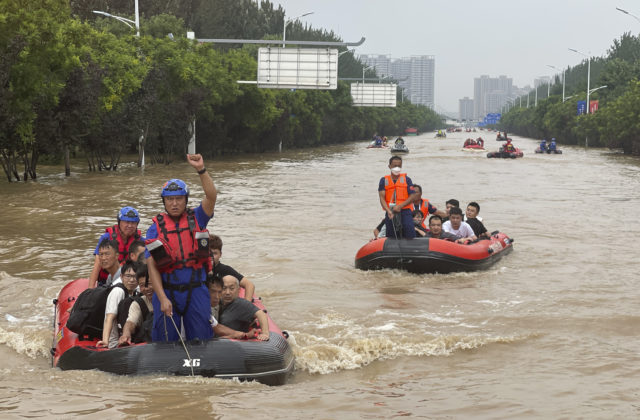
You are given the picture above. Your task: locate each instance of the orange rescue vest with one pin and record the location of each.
(396, 192)
(423, 206)
(181, 244)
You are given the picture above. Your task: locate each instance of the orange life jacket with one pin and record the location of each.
(423, 206)
(396, 192)
(182, 246)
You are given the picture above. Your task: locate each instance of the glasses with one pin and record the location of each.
(129, 276)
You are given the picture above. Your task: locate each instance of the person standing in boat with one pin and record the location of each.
(178, 244)
(397, 195)
(125, 232)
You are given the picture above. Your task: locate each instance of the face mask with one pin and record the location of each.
(396, 170)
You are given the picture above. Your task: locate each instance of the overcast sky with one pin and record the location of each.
(470, 38)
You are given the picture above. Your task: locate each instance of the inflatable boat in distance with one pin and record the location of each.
(428, 255)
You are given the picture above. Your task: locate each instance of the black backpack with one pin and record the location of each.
(87, 314)
(142, 334)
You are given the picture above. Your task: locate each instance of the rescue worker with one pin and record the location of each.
(397, 195)
(425, 207)
(178, 260)
(552, 145)
(125, 232)
(543, 145)
(509, 147)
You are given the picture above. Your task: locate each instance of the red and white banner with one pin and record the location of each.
(593, 106)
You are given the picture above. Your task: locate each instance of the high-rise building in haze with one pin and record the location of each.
(415, 75)
(465, 108)
(490, 94)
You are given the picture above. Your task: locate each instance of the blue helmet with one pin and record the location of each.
(128, 214)
(174, 187)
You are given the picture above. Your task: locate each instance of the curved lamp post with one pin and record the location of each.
(555, 68)
(126, 21)
(288, 21)
(588, 73)
(627, 13)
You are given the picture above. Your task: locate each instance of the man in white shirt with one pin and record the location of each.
(456, 226)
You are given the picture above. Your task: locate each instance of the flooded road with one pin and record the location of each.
(550, 332)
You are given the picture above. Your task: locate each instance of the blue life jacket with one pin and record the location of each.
(543, 146)
(552, 145)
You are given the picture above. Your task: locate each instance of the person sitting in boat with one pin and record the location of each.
(469, 142)
(472, 219)
(449, 204)
(479, 141)
(220, 270)
(136, 252)
(436, 232)
(240, 314)
(380, 231)
(552, 145)
(459, 228)
(110, 334)
(135, 313)
(215, 285)
(399, 141)
(397, 194)
(509, 147)
(108, 257)
(417, 223)
(377, 140)
(543, 145)
(384, 141)
(425, 206)
(178, 259)
(125, 231)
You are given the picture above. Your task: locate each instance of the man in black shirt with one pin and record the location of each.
(472, 219)
(239, 314)
(220, 270)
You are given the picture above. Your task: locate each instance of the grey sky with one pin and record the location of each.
(469, 38)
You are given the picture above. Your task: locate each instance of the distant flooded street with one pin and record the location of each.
(550, 332)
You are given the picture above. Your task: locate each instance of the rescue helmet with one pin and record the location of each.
(553, 139)
(128, 214)
(174, 187)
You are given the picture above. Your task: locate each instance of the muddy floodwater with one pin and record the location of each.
(551, 331)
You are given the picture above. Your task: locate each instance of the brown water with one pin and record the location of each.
(550, 332)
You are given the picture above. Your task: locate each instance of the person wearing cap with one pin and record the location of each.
(178, 260)
(125, 232)
(397, 196)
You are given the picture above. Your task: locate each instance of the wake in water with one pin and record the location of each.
(340, 343)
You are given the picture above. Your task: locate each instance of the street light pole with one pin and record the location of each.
(554, 67)
(627, 13)
(588, 73)
(288, 21)
(126, 21)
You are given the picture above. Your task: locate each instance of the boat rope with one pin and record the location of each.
(182, 341)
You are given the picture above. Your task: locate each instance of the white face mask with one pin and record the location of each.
(396, 170)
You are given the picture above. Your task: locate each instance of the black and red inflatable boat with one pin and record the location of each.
(428, 255)
(270, 362)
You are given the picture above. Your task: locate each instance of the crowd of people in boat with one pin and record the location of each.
(170, 283)
(471, 142)
(407, 212)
